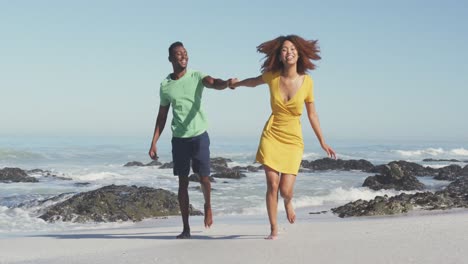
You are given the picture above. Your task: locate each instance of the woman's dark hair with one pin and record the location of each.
(307, 50)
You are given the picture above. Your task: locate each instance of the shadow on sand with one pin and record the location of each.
(159, 235)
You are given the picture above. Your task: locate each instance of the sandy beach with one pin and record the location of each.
(429, 237)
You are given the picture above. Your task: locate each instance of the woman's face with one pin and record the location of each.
(288, 53)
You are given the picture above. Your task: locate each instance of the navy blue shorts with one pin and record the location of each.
(196, 150)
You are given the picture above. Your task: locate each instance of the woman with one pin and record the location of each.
(287, 58)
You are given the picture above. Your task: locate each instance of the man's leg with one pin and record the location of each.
(181, 159)
(201, 165)
(184, 205)
(206, 189)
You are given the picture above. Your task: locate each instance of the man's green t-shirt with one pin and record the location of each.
(185, 94)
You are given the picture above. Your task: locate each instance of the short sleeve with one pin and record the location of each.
(200, 75)
(309, 98)
(164, 100)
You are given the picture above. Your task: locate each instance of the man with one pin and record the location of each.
(183, 89)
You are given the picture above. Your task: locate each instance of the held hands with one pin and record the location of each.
(232, 83)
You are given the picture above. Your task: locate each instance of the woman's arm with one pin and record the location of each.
(314, 122)
(249, 82)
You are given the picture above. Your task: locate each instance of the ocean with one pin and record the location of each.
(94, 162)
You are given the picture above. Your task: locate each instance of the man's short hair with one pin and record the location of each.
(174, 45)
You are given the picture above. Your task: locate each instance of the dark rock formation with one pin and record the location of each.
(221, 170)
(380, 205)
(220, 164)
(444, 160)
(230, 174)
(140, 164)
(464, 172)
(8, 175)
(115, 203)
(393, 177)
(409, 168)
(455, 195)
(134, 164)
(449, 173)
(338, 164)
(154, 163)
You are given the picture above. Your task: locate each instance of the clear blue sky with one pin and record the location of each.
(389, 69)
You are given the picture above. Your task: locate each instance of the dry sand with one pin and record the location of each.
(436, 237)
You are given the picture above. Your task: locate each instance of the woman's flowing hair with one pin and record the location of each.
(308, 51)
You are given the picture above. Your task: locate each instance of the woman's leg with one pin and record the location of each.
(272, 178)
(286, 187)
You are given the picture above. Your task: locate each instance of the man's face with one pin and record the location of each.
(179, 57)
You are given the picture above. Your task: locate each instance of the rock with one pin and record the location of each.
(38, 171)
(444, 160)
(153, 163)
(449, 173)
(455, 195)
(361, 164)
(140, 164)
(338, 164)
(219, 164)
(409, 168)
(393, 177)
(464, 171)
(229, 174)
(457, 190)
(8, 175)
(115, 203)
(380, 205)
(133, 164)
(196, 178)
(219, 161)
(48, 174)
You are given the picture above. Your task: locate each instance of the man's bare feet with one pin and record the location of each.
(290, 214)
(271, 237)
(208, 216)
(184, 235)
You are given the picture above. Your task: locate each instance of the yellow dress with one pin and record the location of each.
(281, 145)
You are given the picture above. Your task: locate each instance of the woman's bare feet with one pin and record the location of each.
(274, 233)
(208, 216)
(290, 214)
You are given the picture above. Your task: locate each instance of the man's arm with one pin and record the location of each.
(158, 129)
(218, 84)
